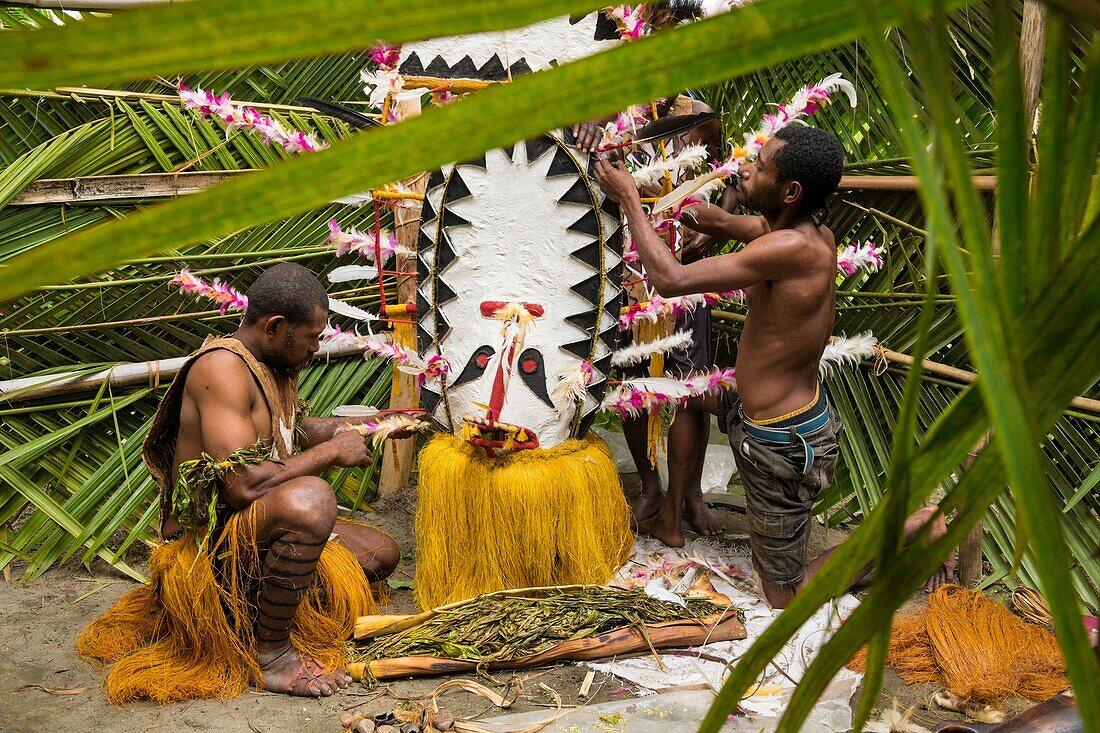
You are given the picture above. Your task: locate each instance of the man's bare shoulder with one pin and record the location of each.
(801, 250)
(219, 374)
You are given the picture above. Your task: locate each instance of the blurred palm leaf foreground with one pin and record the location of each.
(972, 161)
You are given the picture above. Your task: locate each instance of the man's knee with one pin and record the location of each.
(306, 505)
(385, 559)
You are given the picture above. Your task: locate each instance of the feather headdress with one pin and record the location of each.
(690, 158)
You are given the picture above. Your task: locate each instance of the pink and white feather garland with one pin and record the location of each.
(385, 56)
(674, 307)
(246, 118)
(808, 100)
(366, 244)
(690, 158)
(382, 346)
(856, 257)
(226, 297)
(649, 395)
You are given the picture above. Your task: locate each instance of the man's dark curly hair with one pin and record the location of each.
(286, 290)
(814, 158)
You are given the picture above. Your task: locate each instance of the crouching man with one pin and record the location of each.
(257, 582)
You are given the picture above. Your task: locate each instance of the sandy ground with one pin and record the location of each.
(44, 685)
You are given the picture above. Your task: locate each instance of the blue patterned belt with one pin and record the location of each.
(790, 434)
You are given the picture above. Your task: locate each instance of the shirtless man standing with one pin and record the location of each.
(780, 424)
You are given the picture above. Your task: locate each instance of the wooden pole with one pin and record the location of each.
(903, 183)
(87, 189)
(153, 373)
(1031, 55)
(397, 458)
(1084, 404)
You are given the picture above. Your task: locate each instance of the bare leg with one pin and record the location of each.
(636, 431)
(375, 550)
(665, 524)
(687, 454)
(687, 451)
(293, 523)
(779, 596)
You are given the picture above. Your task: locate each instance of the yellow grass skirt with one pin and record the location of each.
(553, 516)
(185, 635)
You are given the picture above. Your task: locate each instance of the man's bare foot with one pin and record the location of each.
(646, 505)
(286, 670)
(665, 526)
(945, 574)
(701, 518)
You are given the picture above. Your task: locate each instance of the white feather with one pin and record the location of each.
(571, 389)
(845, 351)
(354, 411)
(688, 188)
(836, 81)
(673, 388)
(691, 157)
(352, 272)
(639, 352)
(355, 199)
(341, 308)
(386, 426)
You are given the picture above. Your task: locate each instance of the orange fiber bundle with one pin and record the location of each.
(975, 648)
(186, 635)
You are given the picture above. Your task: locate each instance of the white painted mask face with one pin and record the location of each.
(518, 263)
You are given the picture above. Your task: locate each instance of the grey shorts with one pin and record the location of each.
(698, 357)
(779, 498)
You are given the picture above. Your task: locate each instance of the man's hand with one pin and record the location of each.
(588, 136)
(695, 246)
(349, 449)
(616, 182)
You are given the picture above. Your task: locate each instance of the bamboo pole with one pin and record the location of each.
(119, 187)
(151, 373)
(397, 459)
(903, 183)
(86, 189)
(955, 374)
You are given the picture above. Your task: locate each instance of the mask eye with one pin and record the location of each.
(475, 367)
(533, 373)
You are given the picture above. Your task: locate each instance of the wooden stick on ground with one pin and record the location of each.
(671, 635)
